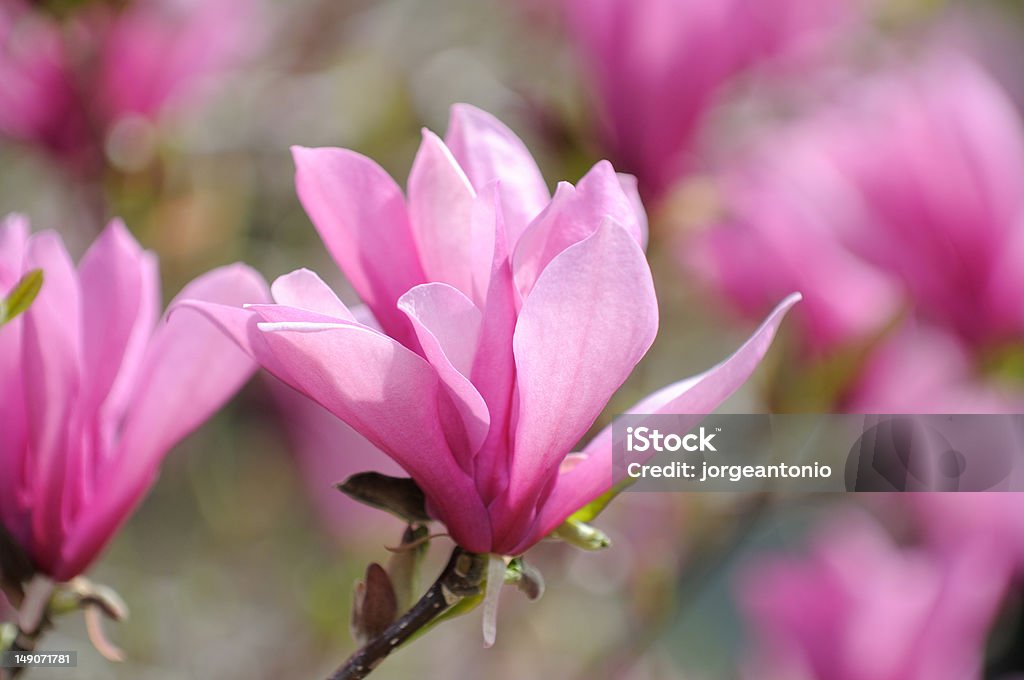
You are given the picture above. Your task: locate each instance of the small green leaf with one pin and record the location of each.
(582, 535)
(590, 511)
(21, 296)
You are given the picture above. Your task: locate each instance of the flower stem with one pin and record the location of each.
(462, 577)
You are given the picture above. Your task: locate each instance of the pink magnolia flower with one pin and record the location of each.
(94, 391)
(860, 608)
(505, 319)
(657, 67)
(66, 85)
(905, 193)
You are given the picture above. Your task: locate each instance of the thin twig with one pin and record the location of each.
(461, 577)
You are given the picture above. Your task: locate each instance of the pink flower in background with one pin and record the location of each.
(66, 85)
(94, 390)
(951, 521)
(656, 67)
(785, 209)
(923, 369)
(905, 193)
(504, 320)
(860, 608)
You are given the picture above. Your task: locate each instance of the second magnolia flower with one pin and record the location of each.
(503, 319)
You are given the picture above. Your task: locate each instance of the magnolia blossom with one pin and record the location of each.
(860, 608)
(504, 319)
(94, 390)
(904, 194)
(66, 85)
(657, 67)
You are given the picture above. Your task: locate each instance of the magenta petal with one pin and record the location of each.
(590, 318)
(447, 324)
(119, 282)
(361, 216)
(700, 394)
(305, 290)
(487, 151)
(573, 215)
(52, 358)
(190, 369)
(388, 394)
(440, 205)
(13, 241)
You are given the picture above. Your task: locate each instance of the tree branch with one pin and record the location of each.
(462, 576)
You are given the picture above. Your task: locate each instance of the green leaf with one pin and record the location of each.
(590, 511)
(21, 296)
(582, 535)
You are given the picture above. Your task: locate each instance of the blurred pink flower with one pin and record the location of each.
(860, 608)
(953, 520)
(507, 318)
(905, 193)
(923, 369)
(94, 391)
(65, 85)
(785, 210)
(656, 67)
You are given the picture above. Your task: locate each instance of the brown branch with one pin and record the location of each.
(462, 576)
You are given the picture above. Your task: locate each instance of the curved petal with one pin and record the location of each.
(13, 241)
(51, 353)
(440, 205)
(487, 151)
(591, 317)
(447, 324)
(698, 395)
(361, 217)
(121, 291)
(573, 215)
(190, 369)
(494, 369)
(302, 288)
(389, 395)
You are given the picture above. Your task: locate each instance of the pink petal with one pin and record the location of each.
(487, 151)
(698, 395)
(190, 369)
(494, 368)
(591, 316)
(388, 394)
(305, 290)
(574, 214)
(440, 203)
(361, 216)
(51, 353)
(447, 325)
(13, 240)
(121, 294)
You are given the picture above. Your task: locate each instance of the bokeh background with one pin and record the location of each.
(867, 153)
